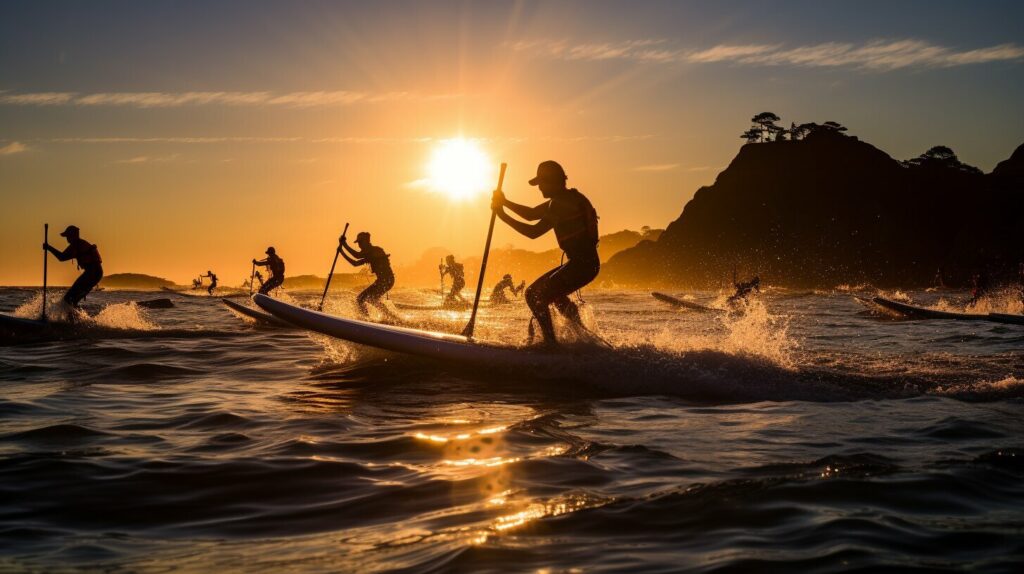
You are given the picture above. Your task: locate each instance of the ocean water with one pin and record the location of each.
(804, 435)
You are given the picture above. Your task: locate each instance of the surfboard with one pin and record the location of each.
(915, 312)
(1006, 318)
(679, 303)
(431, 344)
(12, 324)
(259, 316)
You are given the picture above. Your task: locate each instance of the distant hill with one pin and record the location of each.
(134, 281)
(830, 209)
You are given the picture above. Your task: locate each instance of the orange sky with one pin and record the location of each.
(186, 138)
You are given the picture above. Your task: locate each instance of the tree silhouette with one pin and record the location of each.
(940, 157)
(833, 127)
(752, 135)
(765, 122)
(800, 132)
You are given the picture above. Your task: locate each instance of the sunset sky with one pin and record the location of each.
(186, 136)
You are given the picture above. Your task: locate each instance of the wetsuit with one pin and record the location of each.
(458, 274)
(276, 265)
(380, 266)
(89, 261)
(574, 221)
(498, 294)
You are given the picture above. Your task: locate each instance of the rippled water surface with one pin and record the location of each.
(803, 435)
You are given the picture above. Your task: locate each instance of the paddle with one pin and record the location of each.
(46, 241)
(331, 274)
(252, 277)
(440, 271)
(468, 331)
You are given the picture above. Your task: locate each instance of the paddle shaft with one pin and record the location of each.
(468, 331)
(331, 274)
(252, 277)
(440, 271)
(46, 240)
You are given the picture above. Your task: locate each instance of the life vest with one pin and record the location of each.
(457, 271)
(380, 262)
(576, 231)
(86, 253)
(276, 265)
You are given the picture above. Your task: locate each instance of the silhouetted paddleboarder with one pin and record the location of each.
(380, 266)
(276, 266)
(979, 287)
(89, 261)
(573, 218)
(498, 296)
(213, 281)
(743, 290)
(458, 274)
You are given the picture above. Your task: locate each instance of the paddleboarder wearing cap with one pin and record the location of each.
(380, 265)
(574, 220)
(276, 266)
(89, 261)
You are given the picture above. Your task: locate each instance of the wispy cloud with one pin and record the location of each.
(148, 159)
(876, 55)
(657, 167)
(13, 148)
(181, 99)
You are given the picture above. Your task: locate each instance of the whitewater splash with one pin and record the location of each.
(750, 331)
(120, 316)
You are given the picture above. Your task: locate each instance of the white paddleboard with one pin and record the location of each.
(680, 303)
(1006, 318)
(443, 346)
(915, 312)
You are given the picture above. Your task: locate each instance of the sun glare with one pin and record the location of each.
(459, 169)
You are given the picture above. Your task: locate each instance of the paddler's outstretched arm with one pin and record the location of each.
(352, 261)
(533, 231)
(526, 212)
(356, 259)
(60, 255)
(344, 246)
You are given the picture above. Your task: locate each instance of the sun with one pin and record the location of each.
(459, 168)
